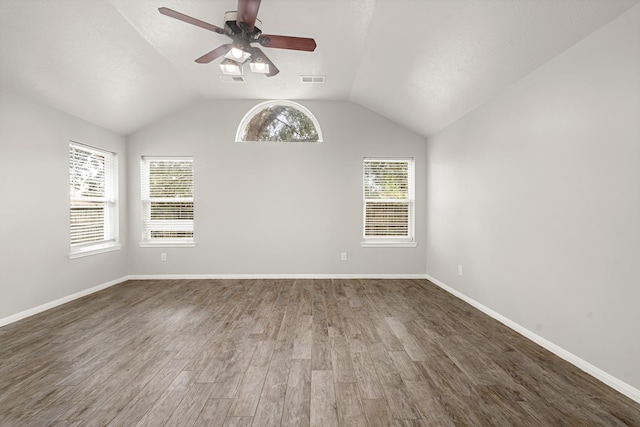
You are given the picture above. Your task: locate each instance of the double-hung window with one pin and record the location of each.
(93, 208)
(167, 201)
(388, 202)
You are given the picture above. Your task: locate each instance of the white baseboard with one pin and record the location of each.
(60, 301)
(272, 276)
(613, 382)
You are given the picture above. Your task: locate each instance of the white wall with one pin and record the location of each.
(34, 218)
(276, 208)
(537, 195)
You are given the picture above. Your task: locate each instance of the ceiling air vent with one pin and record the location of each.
(232, 79)
(312, 79)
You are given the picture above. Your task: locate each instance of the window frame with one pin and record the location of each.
(110, 240)
(256, 109)
(408, 240)
(145, 204)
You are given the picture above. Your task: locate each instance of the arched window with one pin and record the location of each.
(279, 121)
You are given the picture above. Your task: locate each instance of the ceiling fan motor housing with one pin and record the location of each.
(232, 28)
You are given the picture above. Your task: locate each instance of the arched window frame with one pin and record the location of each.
(255, 110)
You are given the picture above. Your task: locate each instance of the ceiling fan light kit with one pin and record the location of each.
(238, 53)
(241, 27)
(230, 68)
(258, 65)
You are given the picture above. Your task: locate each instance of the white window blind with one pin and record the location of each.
(167, 200)
(93, 199)
(388, 192)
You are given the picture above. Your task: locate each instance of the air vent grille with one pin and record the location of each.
(312, 79)
(232, 79)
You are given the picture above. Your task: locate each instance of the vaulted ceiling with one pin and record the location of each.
(422, 63)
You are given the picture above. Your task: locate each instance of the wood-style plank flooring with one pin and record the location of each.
(291, 353)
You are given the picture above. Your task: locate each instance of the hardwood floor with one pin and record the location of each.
(288, 352)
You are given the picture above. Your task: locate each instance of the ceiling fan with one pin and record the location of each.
(240, 27)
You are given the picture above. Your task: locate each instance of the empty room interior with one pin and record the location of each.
(336, 212)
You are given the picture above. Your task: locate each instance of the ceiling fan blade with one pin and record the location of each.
(247, 13)
(286, 42)
(273, 70)
(215, 53)
(193, 21)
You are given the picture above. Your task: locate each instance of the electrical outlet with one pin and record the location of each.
(343, 256)
(163, 256)
(459, 270)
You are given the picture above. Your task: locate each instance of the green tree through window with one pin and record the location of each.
(280, 122)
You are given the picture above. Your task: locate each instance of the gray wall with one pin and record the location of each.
(34, 218)
(276, 208)
(537, 196)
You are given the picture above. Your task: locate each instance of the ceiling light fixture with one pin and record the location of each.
(231, 68)
(259, 66)
(238, 53)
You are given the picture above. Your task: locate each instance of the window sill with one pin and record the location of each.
(388, 244)
(93, 251)
(166, 244)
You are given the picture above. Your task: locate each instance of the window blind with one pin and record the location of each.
(92, 189)
(388, 199)
(167, 199)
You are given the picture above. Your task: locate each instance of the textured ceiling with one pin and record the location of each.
(422, 63)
